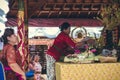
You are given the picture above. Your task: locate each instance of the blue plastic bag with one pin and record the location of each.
(29, 74)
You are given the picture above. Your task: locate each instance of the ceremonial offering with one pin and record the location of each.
(86, 57)
(71, 58)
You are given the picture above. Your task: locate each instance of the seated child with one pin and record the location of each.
(37, 68)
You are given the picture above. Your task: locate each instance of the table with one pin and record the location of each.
(92, 71)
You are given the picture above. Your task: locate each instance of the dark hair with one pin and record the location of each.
(64, 26)
(8, 32)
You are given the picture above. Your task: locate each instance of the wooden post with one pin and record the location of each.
(26, 32)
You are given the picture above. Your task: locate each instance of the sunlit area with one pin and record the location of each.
(52, 32)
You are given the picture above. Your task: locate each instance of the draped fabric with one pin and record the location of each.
(21, 36)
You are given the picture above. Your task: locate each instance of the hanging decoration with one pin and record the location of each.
(21, 32)
(78, 34)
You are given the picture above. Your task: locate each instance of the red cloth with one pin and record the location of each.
(62, 41)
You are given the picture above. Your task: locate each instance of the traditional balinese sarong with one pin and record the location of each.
(50, 67)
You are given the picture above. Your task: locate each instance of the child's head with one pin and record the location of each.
(36, 58)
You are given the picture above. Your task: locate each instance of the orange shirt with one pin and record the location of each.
(11, 56)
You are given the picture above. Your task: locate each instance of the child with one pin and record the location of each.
(37, 68)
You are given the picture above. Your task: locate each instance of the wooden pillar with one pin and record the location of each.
(26, 31)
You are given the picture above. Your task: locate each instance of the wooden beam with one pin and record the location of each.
(68, 14)
(55, 23)
(49, 14)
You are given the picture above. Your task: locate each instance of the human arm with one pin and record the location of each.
(71, 43)
(79, 44)
(16, 68)
(31, 66)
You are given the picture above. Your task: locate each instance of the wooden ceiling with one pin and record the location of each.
(60, 8)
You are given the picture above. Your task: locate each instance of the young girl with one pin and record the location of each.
(37, 68)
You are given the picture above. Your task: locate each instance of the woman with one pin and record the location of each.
(60, 45)
(10, 59)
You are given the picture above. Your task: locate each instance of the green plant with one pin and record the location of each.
(110, 16)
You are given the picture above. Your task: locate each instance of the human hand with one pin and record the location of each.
(79, 44)
(23, 77)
